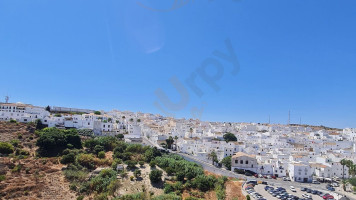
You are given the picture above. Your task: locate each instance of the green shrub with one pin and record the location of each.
(86, 160)
(153, 163)
(101, 182)
(170, 196)
(102, 196)
(141, 163)
(156, 176)
(69, 158)
(168, 188)
(15, 143)
(137, 173)
(81, 197)
(248, 197)
(2, 178)
(6, 148)
(131, 164)
(204, 183)
(73, 187)
(75, 175)
(101, 154)
(17, 168)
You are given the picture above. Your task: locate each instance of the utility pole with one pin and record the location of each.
(289, 117)
(7, 99)
(300, 121)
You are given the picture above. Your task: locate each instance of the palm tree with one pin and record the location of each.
(213, 157)
(343, 162)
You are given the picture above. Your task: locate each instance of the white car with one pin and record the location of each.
(306, 196)
(293, 189)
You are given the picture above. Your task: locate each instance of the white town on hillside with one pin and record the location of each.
(301, 153)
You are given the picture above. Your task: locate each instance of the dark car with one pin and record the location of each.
(303, 189)
(331, 189)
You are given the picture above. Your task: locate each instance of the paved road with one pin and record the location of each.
(279, 183)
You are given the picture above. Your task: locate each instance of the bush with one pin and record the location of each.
(180, 176)
(101, 154)
(137, 173)
(153, 164)
(15, 143)
(98, 148)
(168, 188)
(6, 148)
(131, 164)
(69, 158)
(86, 160)
(101, 182)
(75, 175)
(2, 178)
(248, 197)
(141, 163)
(170, 196)
(80, 197)
(156, 176)
(204, 183)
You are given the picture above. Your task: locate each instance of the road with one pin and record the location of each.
(277, 182)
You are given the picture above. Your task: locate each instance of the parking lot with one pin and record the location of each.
(260, 189)
(271, 192)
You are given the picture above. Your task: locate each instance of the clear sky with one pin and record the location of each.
(297, 55)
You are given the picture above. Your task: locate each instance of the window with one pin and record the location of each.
(246, 162)
(241, 162)
(236, 161)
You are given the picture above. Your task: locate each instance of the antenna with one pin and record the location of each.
(300, 121)
(7, 99)
(269, 119)
(289, 117)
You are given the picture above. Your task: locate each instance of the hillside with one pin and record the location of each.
(27, 177)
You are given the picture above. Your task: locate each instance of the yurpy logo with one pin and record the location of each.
(201, 72)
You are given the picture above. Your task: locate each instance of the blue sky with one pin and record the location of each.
(297, 55)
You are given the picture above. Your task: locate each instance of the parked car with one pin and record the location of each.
(328, 196)
(316, 182)
(303, 189)
(293, 189)
(331, 189)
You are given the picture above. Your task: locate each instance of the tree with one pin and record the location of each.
(212, 156)
(120, 136)
(6, 148)
(138, 120)
(97, 113)
(137, 173)
(48, 109)
(230, 137)
(204, 183)
(343, 162)
(227, 162)
(53, 141)
(156, 176)
(169, 142)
